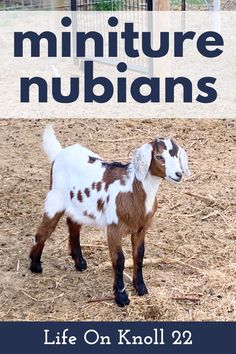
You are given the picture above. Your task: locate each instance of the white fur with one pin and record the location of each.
(150, 185)
(175, 164)
(72, 172)
(183, 157)
(141, 161)
(54, 203)
(50, 143)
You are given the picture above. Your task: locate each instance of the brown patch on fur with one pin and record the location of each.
(114, 238)
(108, 198)
(114, 242)
(79, 196)
(160, 146)
(72, 194)
(156, 167)
(130, 208)
(74, 243)
(138, 249)
(99, 186)
(100, 205)
(47, 226)
(92, 159)
(74, 236)
(90, 215)
(44, 231)
(93, 185)
(113, 174)
(174, 151)
(35, 254)
(87, 192)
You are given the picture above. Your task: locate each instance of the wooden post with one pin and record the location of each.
(183, 5)
(161, 67)
(161, 5)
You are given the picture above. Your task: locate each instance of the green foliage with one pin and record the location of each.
(176, 4)
(107, 5)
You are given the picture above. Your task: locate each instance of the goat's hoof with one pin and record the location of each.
(36, 267)
(141, 289)
(81, 265)
(122, 299)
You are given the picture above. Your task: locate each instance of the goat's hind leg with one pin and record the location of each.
(74, 242)
(44, 231)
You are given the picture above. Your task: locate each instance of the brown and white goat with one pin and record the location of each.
(115, 196)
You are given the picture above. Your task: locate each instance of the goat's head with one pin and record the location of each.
(162, 158)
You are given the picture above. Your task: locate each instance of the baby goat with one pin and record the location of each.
(120, 197)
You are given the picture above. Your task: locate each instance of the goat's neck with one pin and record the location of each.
(150, 185)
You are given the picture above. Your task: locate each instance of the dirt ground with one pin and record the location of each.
(190, 248)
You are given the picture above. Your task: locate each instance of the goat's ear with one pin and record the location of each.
(141, 161)
(183, 158)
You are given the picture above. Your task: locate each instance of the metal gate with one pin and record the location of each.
(142, 65)
(109, 5)
(113, 5)
(84, 5)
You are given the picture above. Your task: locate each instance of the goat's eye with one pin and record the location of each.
(160, 158)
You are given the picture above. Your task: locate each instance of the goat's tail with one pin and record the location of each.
(50, 143)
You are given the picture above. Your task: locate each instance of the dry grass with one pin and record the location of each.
(190, 266)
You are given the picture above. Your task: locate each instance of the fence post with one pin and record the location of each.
(161, 5)
(161, 67)
(183, 5)
(73, 5)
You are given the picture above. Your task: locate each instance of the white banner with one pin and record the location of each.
(117, 65)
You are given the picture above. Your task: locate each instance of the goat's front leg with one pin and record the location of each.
(138, 249)
(118, 260)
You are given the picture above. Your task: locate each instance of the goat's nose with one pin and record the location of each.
(178, 174)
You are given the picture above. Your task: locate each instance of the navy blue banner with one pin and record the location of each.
(117, 337)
